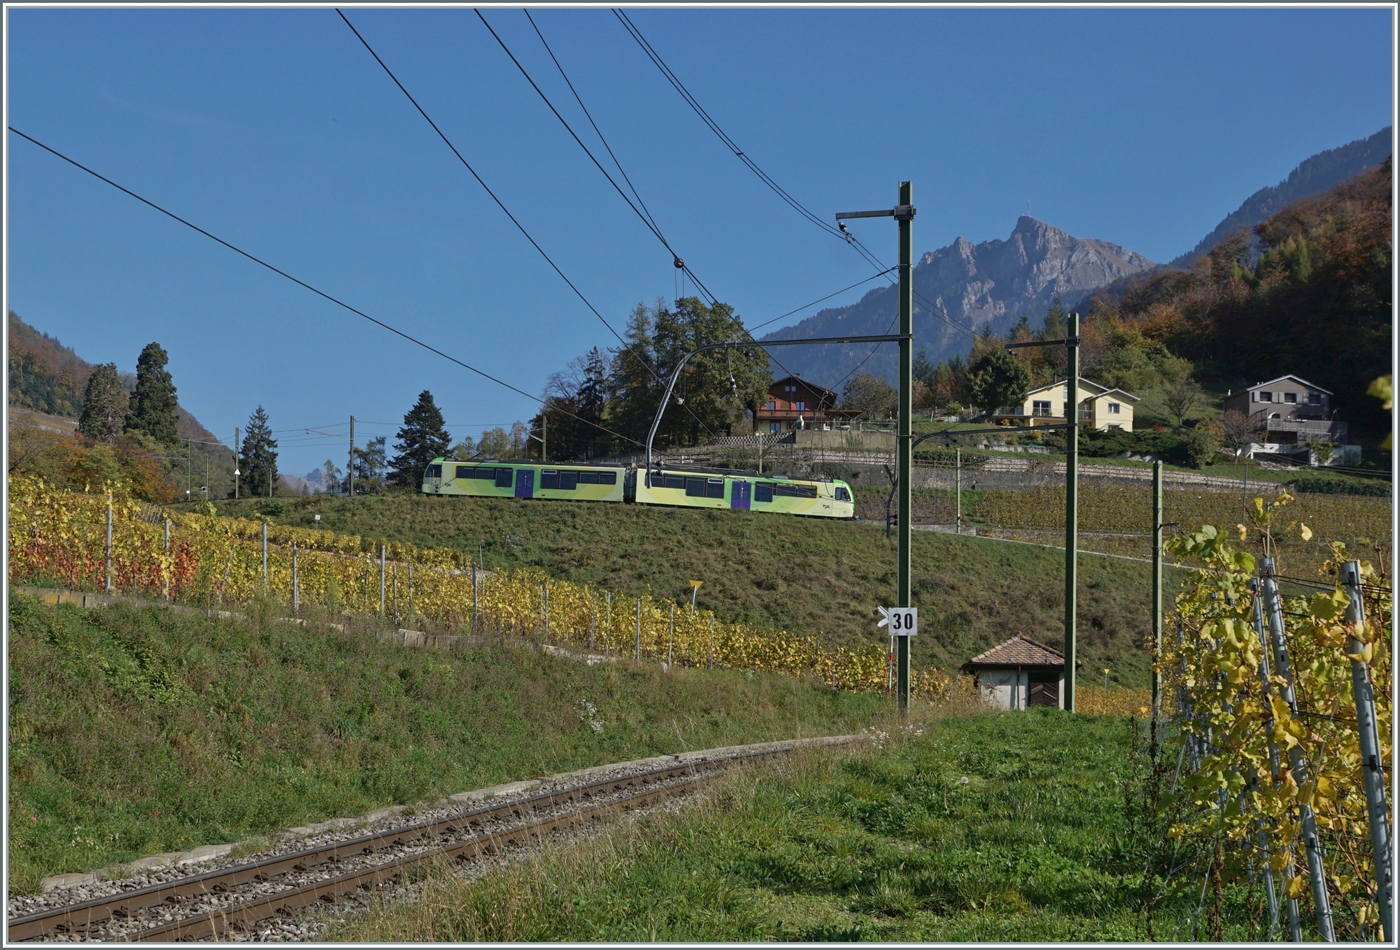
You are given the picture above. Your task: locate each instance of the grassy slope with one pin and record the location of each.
(139, 731)
(1004, 827)
(804, 575)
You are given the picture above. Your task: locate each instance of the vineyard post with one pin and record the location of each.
(1156, 596)
(1294, 927)
(296, 587)
(108, 568)
(1363, 692)
(544, 600)
(607, 631)
(1273, 606)
(957, 468)
(476, 602)
(166, 567)
(712, 641)
(382, 553)
(396, 593)
(410, 593)
(639, 629)
(264, 557)
(671, 636)
(592, 618)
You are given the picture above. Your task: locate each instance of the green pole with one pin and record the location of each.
(906, 437)
(1156, 595)
(1071, 504)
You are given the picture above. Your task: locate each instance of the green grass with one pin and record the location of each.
(136, 731)
(984, 827)
(804, 575)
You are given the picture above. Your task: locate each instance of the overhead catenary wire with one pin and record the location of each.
(656, 231)
(500, 204)
(777, 189)
(301, 283)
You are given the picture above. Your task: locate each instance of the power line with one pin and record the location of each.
(304, 284)
(796, 205)
(819, 300)
(579, 99)
(500, 204)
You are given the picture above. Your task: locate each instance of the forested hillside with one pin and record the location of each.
(1316, 303)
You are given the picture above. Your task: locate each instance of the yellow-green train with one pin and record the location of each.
(624, 484)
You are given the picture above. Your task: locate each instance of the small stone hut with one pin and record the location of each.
(1020, 673)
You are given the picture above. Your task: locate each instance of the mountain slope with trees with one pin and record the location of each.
(1316, 302)
(1312, 176)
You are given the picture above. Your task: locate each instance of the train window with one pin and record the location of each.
(588, 478)
(484, 474)
(505, 478)
(673, 481)
(549, 479)
(785, 491)
(607, 478)
(695, 487)
(714, 488)
(842, 495)
(568, 481)
(806, 491)
(763, 491)
(434, 471)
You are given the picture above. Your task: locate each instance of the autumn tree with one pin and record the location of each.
(996, 379)
(871, 394)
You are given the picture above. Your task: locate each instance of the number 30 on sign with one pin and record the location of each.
(903, 621)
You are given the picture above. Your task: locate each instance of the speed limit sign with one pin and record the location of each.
(902, 621)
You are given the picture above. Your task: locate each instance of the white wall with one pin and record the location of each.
(1005, 689)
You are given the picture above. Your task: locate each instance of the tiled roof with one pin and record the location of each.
(1018, 651)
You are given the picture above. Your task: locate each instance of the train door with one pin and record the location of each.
(524, 483)
(739, 495)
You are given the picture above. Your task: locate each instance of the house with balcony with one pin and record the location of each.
(1288, 412)
(1099, 407)
(794, 403)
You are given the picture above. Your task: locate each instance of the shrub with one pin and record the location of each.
(1323, 485)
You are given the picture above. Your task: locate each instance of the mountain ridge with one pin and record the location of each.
(1313, 175)
(975, 286)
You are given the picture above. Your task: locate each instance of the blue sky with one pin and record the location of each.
(276, 130)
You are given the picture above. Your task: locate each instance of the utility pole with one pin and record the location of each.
(1071, 506)
(189, 469)
(235, 463)
(350, 475)
(1156, 595)
(904, 214)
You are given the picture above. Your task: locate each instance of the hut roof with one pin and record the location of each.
(1018, 651)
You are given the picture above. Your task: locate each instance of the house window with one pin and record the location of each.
(799, 405)
(1314, 399)
(1266, 397)
(775, 427)
(1115, 408)
(1115, 425)
(1040, 407)
(771, 405)
(1290, 397)
(789, 389)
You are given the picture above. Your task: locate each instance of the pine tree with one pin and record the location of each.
(152, 407)
(257, 460)
(422, 438)
(104, 404)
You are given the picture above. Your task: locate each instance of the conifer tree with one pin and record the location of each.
(104, 404)
(422, 438)
(258, 458)
(152, 406)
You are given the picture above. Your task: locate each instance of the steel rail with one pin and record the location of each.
(84, 916)
(244, 916)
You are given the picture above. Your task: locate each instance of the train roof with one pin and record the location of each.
(673, 469)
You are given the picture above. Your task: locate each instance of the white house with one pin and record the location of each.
(1099, 406)
(1019, 673)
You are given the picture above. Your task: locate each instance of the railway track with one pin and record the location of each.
(233, 901)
